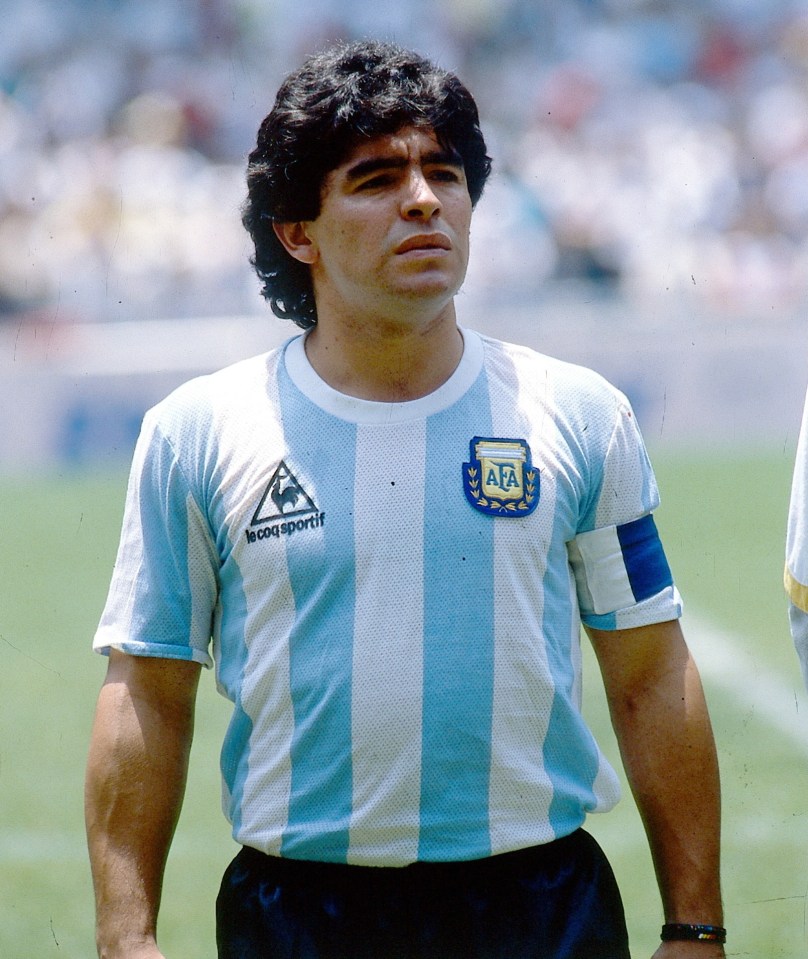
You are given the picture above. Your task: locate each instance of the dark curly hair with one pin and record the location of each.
(336, 98)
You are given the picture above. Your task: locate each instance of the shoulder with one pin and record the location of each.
(204, 399)
(209, 414)
(565, 383)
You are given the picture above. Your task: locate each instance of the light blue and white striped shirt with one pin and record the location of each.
(392, 595)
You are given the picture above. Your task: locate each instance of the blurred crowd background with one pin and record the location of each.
(644, 149)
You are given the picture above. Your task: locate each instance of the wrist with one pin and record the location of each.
(693, 932)
(127, 947)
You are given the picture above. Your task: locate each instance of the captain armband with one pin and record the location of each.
(619, 566)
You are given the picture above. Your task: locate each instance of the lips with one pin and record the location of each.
(425, 241)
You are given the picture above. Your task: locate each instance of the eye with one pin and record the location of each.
(376, 182)
(446, 175)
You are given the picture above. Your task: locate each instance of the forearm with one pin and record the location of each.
(135, 783)
(669, 756)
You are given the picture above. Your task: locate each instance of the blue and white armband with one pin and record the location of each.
(622, 576)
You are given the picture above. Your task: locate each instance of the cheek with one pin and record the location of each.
(460, 215)
(463, 229)
(355, 232)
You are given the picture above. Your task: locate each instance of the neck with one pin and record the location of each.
(386, 361)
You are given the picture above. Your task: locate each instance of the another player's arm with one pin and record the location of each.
(136, 776)
(660, 718)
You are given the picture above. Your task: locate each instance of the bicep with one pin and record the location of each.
(142, 733)
(641, 658)
(153, 676)
(146, 692)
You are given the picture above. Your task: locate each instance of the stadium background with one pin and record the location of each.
(647, 217)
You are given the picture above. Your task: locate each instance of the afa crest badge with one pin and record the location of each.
(500, 479)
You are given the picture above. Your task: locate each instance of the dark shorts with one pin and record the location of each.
(558, 901)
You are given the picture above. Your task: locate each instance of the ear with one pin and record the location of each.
(296, 240)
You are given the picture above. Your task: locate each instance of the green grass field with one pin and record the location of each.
(723, 520)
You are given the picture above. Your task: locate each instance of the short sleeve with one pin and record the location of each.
(796, 571)
(796, 566)
(622, 575)
(164, 586)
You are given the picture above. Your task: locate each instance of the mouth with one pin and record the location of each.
(426, 242)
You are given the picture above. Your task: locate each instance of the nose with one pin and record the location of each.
(420, 201)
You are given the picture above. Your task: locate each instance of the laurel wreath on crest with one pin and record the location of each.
(495, 504)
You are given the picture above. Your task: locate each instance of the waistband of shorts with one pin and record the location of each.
(529, 856)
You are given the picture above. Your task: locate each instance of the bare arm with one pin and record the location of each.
(136, 775)
(663, 729)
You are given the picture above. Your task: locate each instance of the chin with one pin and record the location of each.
(433, 286)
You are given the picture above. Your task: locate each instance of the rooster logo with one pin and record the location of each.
(286, 495)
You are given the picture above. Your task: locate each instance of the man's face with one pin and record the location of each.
(392, 236)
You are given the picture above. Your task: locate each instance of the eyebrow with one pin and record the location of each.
(364, 168)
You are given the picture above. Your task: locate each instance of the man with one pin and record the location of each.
(385, 535)
(796, 571)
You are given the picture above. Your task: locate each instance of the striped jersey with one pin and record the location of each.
(796, 568)
(392, 593)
